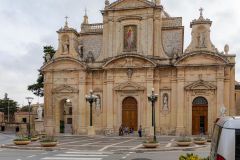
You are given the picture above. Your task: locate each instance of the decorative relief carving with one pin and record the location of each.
(129, 86)
(65, 89)
(201, 85)
(129, 62)
(91, 47)
(172, 42)
(129, 73)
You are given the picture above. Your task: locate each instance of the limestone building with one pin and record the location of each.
(139, 46)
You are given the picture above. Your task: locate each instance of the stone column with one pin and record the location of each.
(109, 99)
(227, 90)
(233, 109)
(148, 112)
(48, 104)
(180, 102)
(173, 106)
(149, 31)
(157, 34)
(82, 108)
(110, 39)
(220, 90)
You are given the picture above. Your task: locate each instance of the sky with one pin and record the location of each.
(27, 25)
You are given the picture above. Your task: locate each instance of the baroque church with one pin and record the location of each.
(137, 48)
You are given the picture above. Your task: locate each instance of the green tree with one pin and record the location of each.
(37, 88)
(8, 103)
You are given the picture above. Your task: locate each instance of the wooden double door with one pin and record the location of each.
(199, 120)
(130, 113)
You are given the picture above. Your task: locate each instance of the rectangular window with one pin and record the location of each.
(69, 121)
(237, 147)
(24, 120)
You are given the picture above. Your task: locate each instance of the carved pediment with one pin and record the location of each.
(201, 85)
(200, 59)
(129, 62)
(64, 64)
(129, 86)
(126, 4)
(65, 89)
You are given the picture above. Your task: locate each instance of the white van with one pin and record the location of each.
(226, 139)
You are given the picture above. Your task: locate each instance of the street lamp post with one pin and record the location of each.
(153, 98)
(6, 98)
(8, 110)
(91, 98)
(29, 99)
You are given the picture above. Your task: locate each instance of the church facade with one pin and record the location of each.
(138, 47)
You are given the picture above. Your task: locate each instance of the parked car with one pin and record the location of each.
(226, 139)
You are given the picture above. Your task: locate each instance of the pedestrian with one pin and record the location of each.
(121, 130)
(140, 131)
(126, 130)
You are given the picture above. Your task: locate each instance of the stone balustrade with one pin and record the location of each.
(92, 28)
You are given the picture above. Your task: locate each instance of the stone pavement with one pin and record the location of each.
(107, 144)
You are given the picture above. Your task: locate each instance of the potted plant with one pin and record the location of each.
(184, 141)
(48, 142)
(199, 140)
(21, 140)
(191, 156)
(151, 143)
(34, 136)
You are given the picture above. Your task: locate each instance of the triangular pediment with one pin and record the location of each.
(201, 85)
(126, 4)
(65, 89)
(129, 86)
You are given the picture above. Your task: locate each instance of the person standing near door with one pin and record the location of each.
(140, 131)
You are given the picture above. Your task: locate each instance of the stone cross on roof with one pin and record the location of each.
(201, 11)
(66, 22)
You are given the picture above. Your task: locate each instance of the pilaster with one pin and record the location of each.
(180, 102)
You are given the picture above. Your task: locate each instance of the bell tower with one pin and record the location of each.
(67, 45)
(201, 40)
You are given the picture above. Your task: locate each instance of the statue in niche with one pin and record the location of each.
(80, 51)
(90, 57)
(201, 40)
(98, 104)
(48, 57)
(165, 102)
(66, 47)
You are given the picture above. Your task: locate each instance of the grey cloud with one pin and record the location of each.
(28, 25)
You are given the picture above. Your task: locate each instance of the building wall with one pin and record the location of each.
(158, 62)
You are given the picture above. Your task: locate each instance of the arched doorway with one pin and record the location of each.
(130, 113)
(65, 116)
(199, 116)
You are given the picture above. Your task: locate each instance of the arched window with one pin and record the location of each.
(200, 101)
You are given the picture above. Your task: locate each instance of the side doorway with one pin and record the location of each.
(199, 116)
